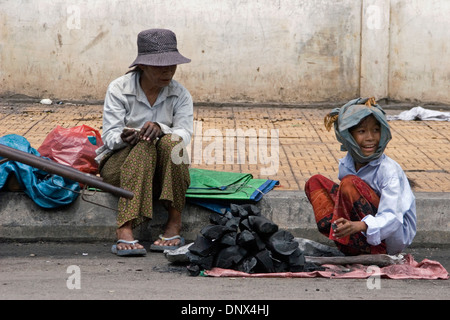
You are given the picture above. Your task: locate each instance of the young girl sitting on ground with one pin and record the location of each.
(373, 209)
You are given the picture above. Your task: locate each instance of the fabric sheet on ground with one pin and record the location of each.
(409, 269)
(419, 113)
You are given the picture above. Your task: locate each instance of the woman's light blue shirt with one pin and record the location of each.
(127, 106)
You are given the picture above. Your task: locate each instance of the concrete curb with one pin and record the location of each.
(22, 220)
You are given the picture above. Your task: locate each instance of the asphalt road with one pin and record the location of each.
(68, 271)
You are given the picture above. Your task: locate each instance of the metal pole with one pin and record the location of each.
(62, 170)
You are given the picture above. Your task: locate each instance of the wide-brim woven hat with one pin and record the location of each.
(158, 47)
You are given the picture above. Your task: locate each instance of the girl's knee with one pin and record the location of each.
(349, 182)
(318, 181)
(312, 180)
(349, 178)
(315, 177)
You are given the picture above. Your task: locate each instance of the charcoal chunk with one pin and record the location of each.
(228, 239)
(310, 266)
(217, 218)
(233, 224)
(282, 242)
(228, 215)
(238, 211)
(247, 265)
(280, 265)
(252, 209)
(205, 263)
(265, 262)
(230, 257)
(296, 261)
(194, 270)
(203, 246)
(245, 239)
(262, 225)
(259, 243)
(244, 225)
(214, 232)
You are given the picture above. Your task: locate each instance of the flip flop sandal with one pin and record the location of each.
(155, 247)
(128, 252)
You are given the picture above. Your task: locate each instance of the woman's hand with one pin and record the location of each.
(130, 136)
(150, 131)
(346, 227)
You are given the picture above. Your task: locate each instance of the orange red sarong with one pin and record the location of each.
(352, 199)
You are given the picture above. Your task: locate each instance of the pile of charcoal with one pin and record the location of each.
(244, 240)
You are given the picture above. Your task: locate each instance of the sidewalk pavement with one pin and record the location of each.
(283, 143)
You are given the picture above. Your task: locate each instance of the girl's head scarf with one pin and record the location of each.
(350, 115)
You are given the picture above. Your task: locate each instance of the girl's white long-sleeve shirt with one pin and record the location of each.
(395, 220)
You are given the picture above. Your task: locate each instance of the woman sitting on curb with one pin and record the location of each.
(146, 113)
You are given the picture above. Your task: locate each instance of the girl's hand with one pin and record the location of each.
(346, 227)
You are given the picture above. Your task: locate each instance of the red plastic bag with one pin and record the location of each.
(74, 147)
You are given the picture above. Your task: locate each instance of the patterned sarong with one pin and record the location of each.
(148, 171)
(352, 199)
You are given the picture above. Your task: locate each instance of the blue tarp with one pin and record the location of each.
(46, 190)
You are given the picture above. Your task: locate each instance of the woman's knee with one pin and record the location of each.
(171, 147)
(169, 141)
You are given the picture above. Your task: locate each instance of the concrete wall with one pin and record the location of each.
(290, 51)
(419, 63)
